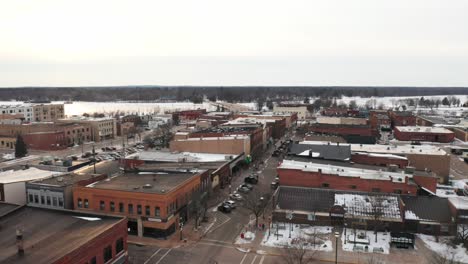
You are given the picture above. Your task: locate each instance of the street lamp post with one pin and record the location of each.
(337, 234)
(345, 237)
(94, 160)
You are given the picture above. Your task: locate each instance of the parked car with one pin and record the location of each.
(233, 206)
(251, 180)
(274, 185)
(243, 190)
(246, 185)
(231, 202)
(236, 196)
(224, 208)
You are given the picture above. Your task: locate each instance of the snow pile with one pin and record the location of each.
(457, 253)
(410, 215)
(445, 193)
(365, 241)
(317, 237)
(88, 218)
(306, 153)
(362, 205)
(248, 238)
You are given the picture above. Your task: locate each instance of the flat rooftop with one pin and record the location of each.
(145, 182)
(12, 176)
(48, 234)
(65, 180)
(228, 129)
(230, 137)
(164, 156)
(388, 149)
(249, 120)
(345, 171)
(423, 129)
(7, 207)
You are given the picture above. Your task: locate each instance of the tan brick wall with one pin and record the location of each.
(439, 164)
(212, 145)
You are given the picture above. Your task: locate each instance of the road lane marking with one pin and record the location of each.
(163, 256)
(261, 260)
(242, 261)
(253, 261)
(156, 252)
(214, 244)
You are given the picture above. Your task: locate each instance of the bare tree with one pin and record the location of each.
(462, 234)
(299, 251)
(373, 260)
(256, 203)
(377, 211)
(198, 206)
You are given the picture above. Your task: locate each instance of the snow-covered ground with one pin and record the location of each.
(280, 237)
(442, 248)
(366, 238)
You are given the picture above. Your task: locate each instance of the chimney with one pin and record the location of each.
(19, 242)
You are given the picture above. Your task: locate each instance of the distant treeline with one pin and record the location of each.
(226, 93)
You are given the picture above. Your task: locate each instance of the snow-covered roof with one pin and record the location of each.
(409, 215)
(30, 174)
(345, 171)
(249, 120)
(459, 202)
(230, 137)
(369, 205)
(423, 129)
(380, 155)
(175, 157)
(389, 149)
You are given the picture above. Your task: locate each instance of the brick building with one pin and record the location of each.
(153, 202)
(187, 115)
(50, 140)
(377, 159)
(317, 175)
(343, 130)
(234, 145)
(46, 236)
(335, 111)
(48, 112)
(402, 118)
(417, 133)
(379, 119)
(100, 128)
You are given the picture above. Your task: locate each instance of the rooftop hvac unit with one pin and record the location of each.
(410, 170)
(393, 167)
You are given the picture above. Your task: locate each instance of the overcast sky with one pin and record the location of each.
(240, 42)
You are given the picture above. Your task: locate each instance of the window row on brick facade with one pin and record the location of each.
(107, 253)
(397, 191)
(130, 209)
(45, 200)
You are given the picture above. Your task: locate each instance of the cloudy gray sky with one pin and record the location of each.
(242, 42)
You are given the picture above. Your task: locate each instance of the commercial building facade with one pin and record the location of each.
(417, 133)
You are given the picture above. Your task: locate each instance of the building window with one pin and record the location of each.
(60, 201)
(352, 186)
(397, 191)
(42, 199)
(119, 245)
(325, 185)
(147, 210)
(86, 203)
(107, 253)
(139, 209)
(36, 198)
(93, 261)
(157, 211)
(102, 205)
(31, 198)
(375, 189)
(130, 208)
(121, 207)
(112, 206)
(54, 201)
(80, 203)
(48, 200)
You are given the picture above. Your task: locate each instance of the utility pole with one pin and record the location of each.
(94, 160)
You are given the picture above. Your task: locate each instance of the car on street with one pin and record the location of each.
(243, 190)
(251, 180)
(224, 208)
(231, 202)
(246, 185)
(236, 196)
(233, 206)
(274, 185)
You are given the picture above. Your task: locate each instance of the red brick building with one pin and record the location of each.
(416, 133)
(154, 202)
(187, 115)
(402, 118)
(335, 111)
(46, 140)
(61, 236)
(379, 159)
(361, 130)
(379, 119)
(316, 175)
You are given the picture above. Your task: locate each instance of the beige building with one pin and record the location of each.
(7, 142)
(101, 128)
(48, 112)
(300, 110)
(222, 145)
(341, 120)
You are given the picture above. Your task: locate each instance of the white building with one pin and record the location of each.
(24, 109)
(13, 183)
(301, 110)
